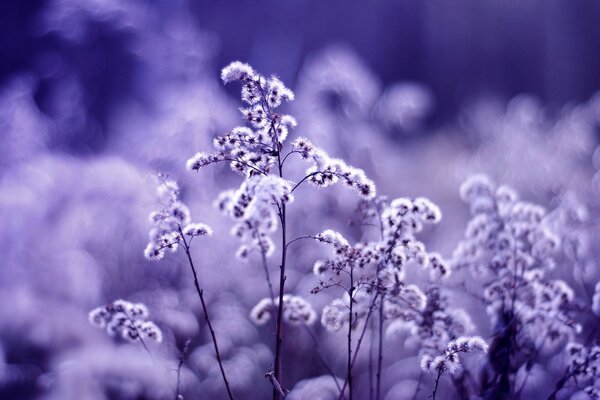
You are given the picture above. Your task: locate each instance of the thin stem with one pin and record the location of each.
(287, 155)
(381, 321)
(146, 348)
(206, 315)
(380, 350)
(560, 384)
(316, 344)
(299, 238)
(141, 339)
(179, 366)
(360, 339)
(304, 179)
(437, 382)
(239, 161)
(282, 277)
(349, 367)
(371, 345)
(265, 265)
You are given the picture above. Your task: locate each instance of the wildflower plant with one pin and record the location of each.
(583, 370)
(508, 248)
(449, 359)
(172, 229)
(372, 273)
(259, 154)
(125, 320)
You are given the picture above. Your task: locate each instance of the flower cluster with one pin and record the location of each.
(584, 368)
(125, 320)
(171, 222)
(327, 171)
(253, 207)
(508, 245)
(436, 324)
(296, 310)
(337, 314)
(378, 267)
(386, 258)
(449, 360)
(252, 150)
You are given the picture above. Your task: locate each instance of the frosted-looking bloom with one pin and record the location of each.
(337, 313)
(378, 268)
(125, 320)
(449, 360)
(583, 368)
(170, 222)
(254, 150)
(327, 171)
(253, 206)
(508, 245)
(296, 311)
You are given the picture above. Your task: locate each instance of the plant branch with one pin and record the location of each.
(206, 315)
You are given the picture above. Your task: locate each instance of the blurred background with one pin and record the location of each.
(97, 96)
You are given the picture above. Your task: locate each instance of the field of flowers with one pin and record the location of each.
(202, 201)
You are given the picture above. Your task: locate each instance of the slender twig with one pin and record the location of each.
(265, 265)
(381, 316)
(282, 277)
(182, 356)
(360, 339)
(316, 344)
(349, 366)
(287, 155)
(437, 382)
(299, 238)
(379, 350)
(206, 315)
(560, 384)
(371, 383)
(304, 179)
(141, 339)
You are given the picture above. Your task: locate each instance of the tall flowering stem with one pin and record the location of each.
(256, 153)
(372, 274)
(508, 247)
(200, 292)
(171, 225)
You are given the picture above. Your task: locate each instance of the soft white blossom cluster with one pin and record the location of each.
(253, 150)
(296, 311)
(327, 171)
(337, 314)
(400, 220)
(253, 207)
(379, 266)
(125, 320)
(583, 368)
(508, 246)
(171, 222)
(256, 152)
(449, 359)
